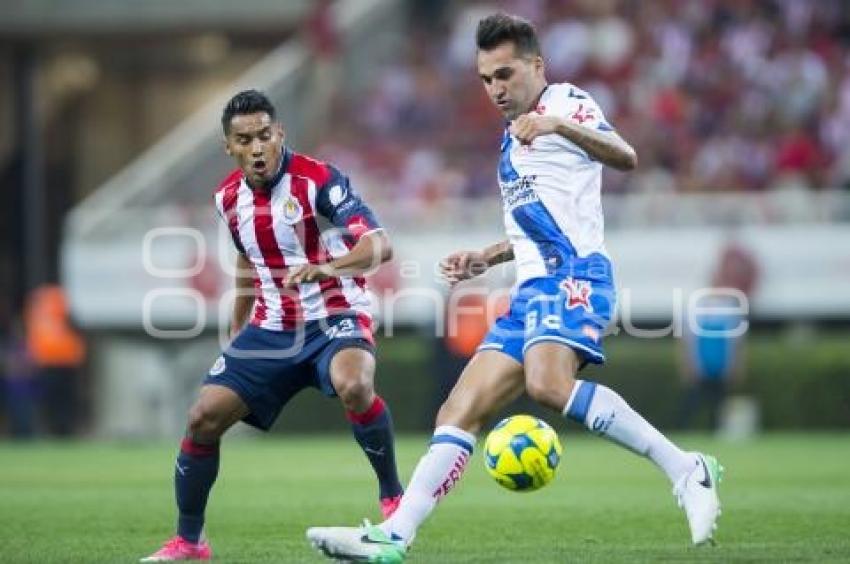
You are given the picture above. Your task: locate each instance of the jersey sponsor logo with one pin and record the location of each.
(292, 211)
(519, 192)
(336, 195)
(578, 293)
(347, 206)
(218, 367)
(344, 328)
(583, 114)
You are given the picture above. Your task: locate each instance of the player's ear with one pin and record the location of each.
(227, 149)
(539, 64)
(280, 131)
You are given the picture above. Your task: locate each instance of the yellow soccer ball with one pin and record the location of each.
(522, 452)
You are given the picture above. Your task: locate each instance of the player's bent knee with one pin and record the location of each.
(355, 390)
(538, 388)
(205, 423)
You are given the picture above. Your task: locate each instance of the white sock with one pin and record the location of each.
(605, 413)
(435, 476)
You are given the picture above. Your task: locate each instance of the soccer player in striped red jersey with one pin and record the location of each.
(305, 239)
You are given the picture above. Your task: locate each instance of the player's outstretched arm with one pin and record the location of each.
(464, 265)
(244, 301)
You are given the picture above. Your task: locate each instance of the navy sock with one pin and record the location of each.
(373, 430)
(194, 476)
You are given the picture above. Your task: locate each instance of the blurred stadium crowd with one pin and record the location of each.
(747, 96)
(716, 95)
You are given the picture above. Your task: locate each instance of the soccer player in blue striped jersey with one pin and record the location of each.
(555, 143)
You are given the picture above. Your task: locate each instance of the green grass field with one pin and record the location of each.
(786, 498)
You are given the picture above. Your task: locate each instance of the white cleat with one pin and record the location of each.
(696, 493)
(356, 544)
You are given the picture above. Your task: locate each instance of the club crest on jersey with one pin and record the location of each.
(578, 293)
(291, 210)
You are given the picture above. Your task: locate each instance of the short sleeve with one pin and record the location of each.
(229, 222)
(577, 106)
(337, 201)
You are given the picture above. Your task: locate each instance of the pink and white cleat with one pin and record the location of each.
(179, 548)
(389, 505)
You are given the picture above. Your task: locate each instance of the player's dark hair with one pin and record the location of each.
(246, 102)
(500, 28)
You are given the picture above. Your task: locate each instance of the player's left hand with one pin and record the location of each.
(307, 273)
(528, 126)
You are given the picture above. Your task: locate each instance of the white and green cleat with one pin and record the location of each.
(357, 544)
(696, 493)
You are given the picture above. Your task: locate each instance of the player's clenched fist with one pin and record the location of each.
(463, 265)
(528, 126)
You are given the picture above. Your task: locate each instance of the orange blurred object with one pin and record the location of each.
(50, 338)
(470, 319)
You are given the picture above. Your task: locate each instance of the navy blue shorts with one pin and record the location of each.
(267, 368)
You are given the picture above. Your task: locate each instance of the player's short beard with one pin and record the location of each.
(509, 114)
(514, 113)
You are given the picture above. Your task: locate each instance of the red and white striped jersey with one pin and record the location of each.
(311, 214)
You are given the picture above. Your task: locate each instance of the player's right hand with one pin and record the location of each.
(527, 127)
(463, 265)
